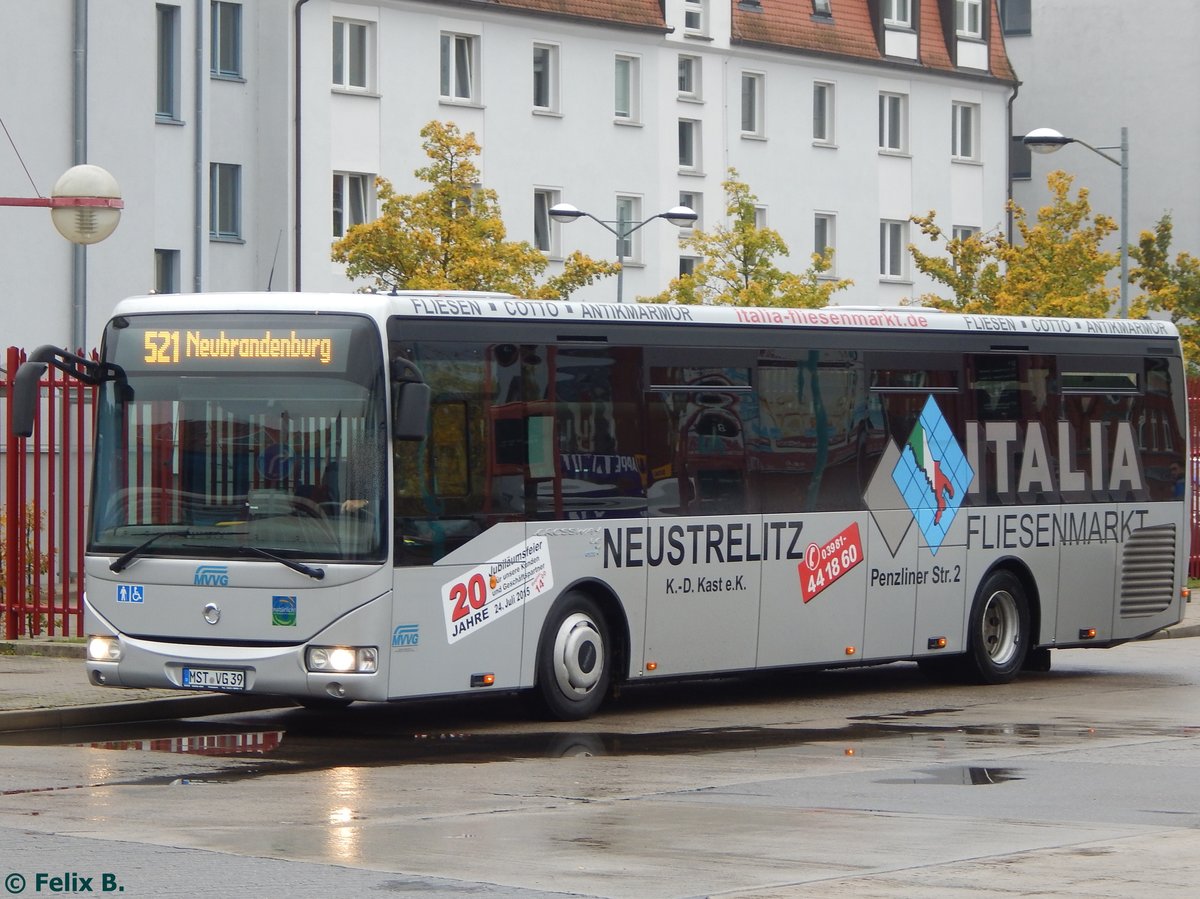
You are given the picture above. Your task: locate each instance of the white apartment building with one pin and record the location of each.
(1089, 68)
(246, 135)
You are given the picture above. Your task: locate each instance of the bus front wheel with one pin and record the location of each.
(999, 629)
(574, 666)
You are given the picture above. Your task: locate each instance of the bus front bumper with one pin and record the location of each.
(347, 672)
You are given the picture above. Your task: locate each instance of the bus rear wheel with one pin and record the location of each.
(574, 666)
(998, 635)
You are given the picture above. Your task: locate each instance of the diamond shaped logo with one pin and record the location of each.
(932, 474)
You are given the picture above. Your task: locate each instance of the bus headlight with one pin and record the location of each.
(343, 659)
(103, 649)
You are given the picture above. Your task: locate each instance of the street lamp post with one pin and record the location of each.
(680, 216)
(85, 204)
(1047, 140)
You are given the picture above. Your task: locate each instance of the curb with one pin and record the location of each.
(135, 711)
(1172, 633)
(57, 649)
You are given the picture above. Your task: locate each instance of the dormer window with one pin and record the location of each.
(968, 18)
(897, 13)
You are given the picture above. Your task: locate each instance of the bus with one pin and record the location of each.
(376, 497)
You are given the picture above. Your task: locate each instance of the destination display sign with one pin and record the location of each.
(235, 349)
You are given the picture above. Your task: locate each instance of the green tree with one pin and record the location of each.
(738, 265)
(451, 236)
(1057, 268)
(1170, 286)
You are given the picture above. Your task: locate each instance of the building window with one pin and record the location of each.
(689, 77)
(963, 232)
(689, 145)
(459, 62)
(687, 265)
(545, 77)
(1015, 17)
(694, 20)
(224, 201)
(897, 13)
(545, 230)
(822, 8)
(627, 89)
(693, 200)
(226, 61)
(351, 200)
(964, 140)
(167, 103)
(968, 18)
(351, 54)
(753, 87)
(1020, 159)
(760, 216)
(824, 232)
(892, 125)
(893, 240)
(822, 112)
(629, 210)
(166, 271)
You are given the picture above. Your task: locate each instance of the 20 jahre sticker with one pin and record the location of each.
(493, 589)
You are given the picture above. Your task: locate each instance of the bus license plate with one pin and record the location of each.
(214, 678)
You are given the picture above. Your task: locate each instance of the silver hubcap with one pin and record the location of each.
(578, 655)
(1000, 627)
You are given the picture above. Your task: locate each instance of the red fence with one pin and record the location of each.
(44, 490)
(42, 500)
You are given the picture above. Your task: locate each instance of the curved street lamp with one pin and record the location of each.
(679, 216)
(85, 204)
(1047, 140)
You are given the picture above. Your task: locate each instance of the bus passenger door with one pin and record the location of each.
(702, 539)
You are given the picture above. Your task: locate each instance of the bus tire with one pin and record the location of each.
(574, 665)
(998, 634)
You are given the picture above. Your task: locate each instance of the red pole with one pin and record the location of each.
(12, 484)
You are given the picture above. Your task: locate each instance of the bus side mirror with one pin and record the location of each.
(410, 410)
(25, 397)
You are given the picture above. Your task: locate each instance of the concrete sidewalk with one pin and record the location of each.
(43, 685)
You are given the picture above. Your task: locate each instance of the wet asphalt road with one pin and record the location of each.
(1084, 781)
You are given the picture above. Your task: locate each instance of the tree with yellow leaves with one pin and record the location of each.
(1170, 286)
(1057, 268)
(451, 237)
(738, 267)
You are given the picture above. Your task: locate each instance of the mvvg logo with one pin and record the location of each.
(211, 576)
(406, 636)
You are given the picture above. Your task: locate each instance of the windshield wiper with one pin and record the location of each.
(315, 573)
(122, 561)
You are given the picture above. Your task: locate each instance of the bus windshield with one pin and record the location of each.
(230, 435)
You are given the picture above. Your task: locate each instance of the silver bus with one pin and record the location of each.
(366, 497)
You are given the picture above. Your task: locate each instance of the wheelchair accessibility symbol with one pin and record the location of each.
(131, 593)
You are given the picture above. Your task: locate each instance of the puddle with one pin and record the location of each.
(959, 776)
(314, 742)
(248, 743)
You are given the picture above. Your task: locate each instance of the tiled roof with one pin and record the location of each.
(646, 13)
(931, 41)
(791, 24)
(997, 54)
(851, 32)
